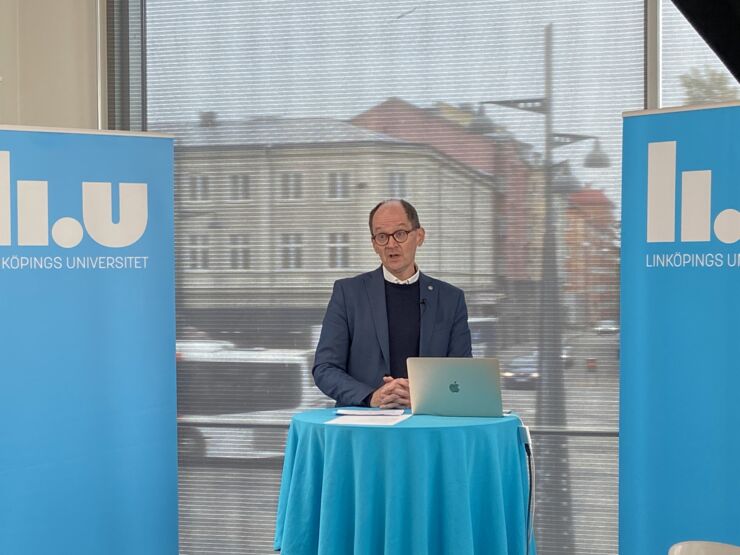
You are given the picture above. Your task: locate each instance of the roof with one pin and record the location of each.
(272, 131)
(398, 118)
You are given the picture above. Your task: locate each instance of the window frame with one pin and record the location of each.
(338, 245)
(291, 251)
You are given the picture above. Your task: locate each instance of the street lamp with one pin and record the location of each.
(550, 415)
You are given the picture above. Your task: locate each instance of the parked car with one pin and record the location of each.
(523, 372)
(606, 326)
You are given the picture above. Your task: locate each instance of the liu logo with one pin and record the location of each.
(696, 205)
(454, 387)
(32, 226)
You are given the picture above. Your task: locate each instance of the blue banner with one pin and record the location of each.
(680, 368)
(88, 446)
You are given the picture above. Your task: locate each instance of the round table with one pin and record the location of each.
(428, 485)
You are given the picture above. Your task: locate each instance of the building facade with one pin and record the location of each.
(517, 217)
(592, 258)
(272, 211)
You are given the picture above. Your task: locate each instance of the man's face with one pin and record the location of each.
(397, 257)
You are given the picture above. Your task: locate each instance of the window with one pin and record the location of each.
(239, 252)
(339, 185)
(339, 250)
(197, 252)
(291, 251)
(397, 185)
(199, 187)
(240, 186)
(418, 94)
(291, 185)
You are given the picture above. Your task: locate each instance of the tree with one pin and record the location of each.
(705, 85)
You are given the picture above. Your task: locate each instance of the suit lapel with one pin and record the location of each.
(375, 287)
(428, 301)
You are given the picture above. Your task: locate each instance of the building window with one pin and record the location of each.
(199, 187)
(291, 255)
(196, 252)
(291, 185)
(240, 186)
(239, 256)
(339, 185)
(339, 250)
(397, 184)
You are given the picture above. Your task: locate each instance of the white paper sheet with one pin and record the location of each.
(370, 412)
(356, 420)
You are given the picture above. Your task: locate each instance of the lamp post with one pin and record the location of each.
(551, 414)
(550, 403)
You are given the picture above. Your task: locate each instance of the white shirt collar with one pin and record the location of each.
(393, 279)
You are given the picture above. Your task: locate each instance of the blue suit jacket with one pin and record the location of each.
(353, 354)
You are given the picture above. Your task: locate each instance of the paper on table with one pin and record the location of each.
(357, 420)
(371, 412)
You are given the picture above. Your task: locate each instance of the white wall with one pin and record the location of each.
(49, 63)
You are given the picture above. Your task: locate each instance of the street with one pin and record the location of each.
(577, 468)
(592, 394)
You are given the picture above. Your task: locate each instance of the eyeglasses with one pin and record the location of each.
(400, 236)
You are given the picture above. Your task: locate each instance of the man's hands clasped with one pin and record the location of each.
(393, 394)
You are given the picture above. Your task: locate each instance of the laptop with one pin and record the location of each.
(455, 386)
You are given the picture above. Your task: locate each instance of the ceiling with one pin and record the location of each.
(718, 23)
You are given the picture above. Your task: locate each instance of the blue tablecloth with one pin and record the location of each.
(428, 485)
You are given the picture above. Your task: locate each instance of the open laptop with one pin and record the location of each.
(455, 386)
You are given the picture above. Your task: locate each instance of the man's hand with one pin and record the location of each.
(393, 394)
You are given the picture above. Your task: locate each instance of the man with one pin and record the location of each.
(376, 320)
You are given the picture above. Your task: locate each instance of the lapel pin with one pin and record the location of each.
(430, 287)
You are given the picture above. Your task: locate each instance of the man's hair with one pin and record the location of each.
(411, 213)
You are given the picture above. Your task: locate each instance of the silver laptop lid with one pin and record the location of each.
(455, 386)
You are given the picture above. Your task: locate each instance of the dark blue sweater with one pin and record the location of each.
(404, 325)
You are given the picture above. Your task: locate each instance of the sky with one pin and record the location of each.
(338, 58)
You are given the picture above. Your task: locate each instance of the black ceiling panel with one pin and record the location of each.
(718, 23)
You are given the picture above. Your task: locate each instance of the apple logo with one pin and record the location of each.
(454, 387)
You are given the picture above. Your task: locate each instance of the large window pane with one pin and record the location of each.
(293, 119)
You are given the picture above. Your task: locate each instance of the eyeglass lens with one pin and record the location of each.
(400, 236)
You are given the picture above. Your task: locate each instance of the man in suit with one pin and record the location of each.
(376, 320)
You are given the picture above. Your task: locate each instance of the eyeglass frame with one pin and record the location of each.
(389, 235)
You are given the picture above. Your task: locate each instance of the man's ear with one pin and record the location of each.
(420, 235)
